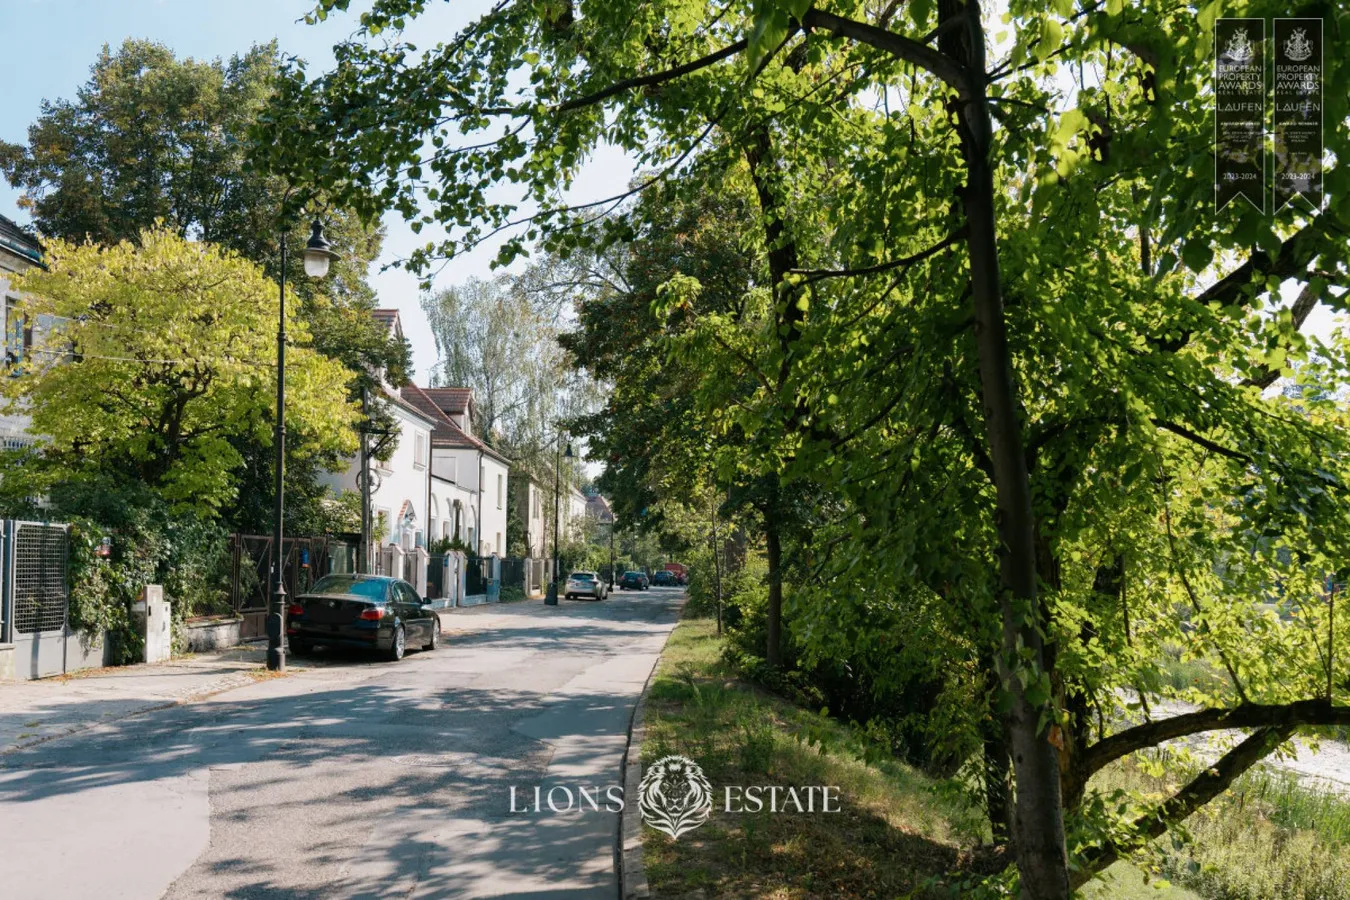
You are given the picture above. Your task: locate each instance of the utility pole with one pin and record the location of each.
(363, 558)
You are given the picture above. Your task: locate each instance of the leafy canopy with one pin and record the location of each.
(153, 361)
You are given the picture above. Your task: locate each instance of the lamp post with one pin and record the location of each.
(551, 598)
(318, 254)
(613, 575)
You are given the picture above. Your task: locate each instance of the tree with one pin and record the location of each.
(1009, 392)
(491, 338)
(155, 140)
(154, 360)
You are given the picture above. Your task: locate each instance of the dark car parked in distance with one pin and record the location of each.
(665, 579)
(634, 581)
(374, 612)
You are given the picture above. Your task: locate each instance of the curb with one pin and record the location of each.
(628, 842)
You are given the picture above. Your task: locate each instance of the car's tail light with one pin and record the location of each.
(372, 613)
(295, 609)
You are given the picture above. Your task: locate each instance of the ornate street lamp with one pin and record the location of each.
(318, 254)
(551, 598)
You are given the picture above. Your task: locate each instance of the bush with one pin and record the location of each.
(511, 593)
(151, 544)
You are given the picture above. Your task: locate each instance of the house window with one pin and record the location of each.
(499, 491)
(420, 451)
(499, 543)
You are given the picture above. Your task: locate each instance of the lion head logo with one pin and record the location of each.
(675, 795)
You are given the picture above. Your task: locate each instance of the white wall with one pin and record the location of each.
(445, 494)
(401, 478)
(538, 512)
(495, 498)
(575, 513)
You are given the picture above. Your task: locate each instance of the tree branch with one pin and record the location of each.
(1245, 715)
(1219, 449)
(908, 49)
(1293, 258)
(814, 275)
(655, 78)
(1299, 312)
(1202, 789)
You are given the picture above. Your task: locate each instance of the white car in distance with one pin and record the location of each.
(586, 585)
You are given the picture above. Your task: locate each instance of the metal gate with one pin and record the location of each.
(36, 597)
(305, 560)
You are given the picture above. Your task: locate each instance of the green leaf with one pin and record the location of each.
(1052, 35)
(1197, 253)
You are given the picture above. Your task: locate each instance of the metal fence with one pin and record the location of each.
(477, 574)
(39, 556)
(514, 572)
(304, 561)
(35, 598)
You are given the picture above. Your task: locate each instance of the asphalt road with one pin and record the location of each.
(355, 778)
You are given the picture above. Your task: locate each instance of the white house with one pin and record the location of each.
(398, 496)
(575, 511)
(468, 487)
(441, 483)
(535, 506)
(19, 250)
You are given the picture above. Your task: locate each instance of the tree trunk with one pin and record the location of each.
(773, 542)
(717, 568)
(997, 772)
(1038, 819)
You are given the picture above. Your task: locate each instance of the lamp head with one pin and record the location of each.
(318, 252)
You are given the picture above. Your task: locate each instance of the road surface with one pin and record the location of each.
(355, 778)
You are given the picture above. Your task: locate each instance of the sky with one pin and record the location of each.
(49, 46)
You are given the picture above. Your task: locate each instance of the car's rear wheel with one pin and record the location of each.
(399, 645)
(301, 647)
(435, 635)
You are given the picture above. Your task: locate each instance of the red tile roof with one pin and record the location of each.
(453, 400)
(445, 433)
(386, 317)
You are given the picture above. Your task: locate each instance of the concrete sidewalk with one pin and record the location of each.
(36, 711)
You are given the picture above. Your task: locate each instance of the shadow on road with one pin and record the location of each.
(371, 779)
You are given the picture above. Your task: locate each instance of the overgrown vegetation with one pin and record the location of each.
(147, 543)
(900, 832)
(895, 829)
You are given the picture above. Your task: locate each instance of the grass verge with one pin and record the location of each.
(1266, 838)
(896, 829)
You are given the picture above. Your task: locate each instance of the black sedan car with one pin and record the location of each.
(374, 612)
(633, 581)
(665, 578)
